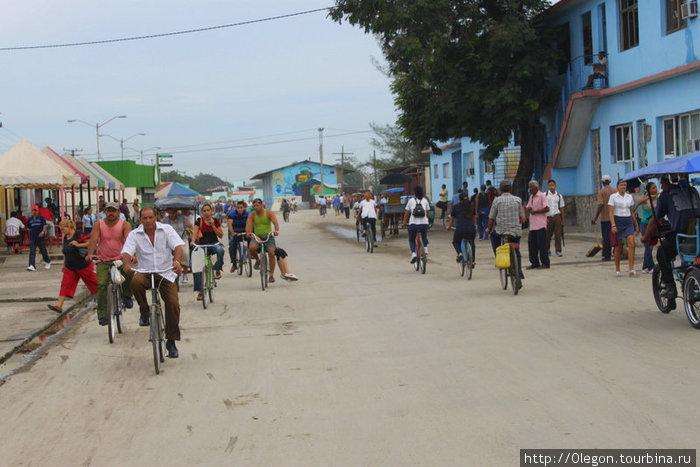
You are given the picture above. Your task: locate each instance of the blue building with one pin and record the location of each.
(646, 108)
(300, 180)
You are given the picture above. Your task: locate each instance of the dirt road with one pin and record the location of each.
(364, 362)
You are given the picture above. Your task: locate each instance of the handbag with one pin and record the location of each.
(613, 239)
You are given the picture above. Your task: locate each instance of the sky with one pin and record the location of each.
(234, 101)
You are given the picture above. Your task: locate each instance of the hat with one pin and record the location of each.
(606, 178)
(112, 204)
(504, 184)
(35, 208)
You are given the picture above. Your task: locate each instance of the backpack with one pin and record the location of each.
(419, 210)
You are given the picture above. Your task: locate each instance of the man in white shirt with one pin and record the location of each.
(13, 226)
(555, 217)
(158, 247)
(368, 214)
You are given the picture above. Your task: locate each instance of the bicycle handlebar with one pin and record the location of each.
(143, 271)
(212, 245)
(267, 237)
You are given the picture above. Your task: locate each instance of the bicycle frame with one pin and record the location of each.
(262, 254)
(157, 326)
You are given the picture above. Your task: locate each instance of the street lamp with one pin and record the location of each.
(97, 130)
(144, 150)
(123, 140)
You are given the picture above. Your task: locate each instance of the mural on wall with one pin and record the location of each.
(289, 180)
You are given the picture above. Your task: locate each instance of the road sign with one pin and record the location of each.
(165, 160)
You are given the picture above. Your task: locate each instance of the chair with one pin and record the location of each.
(688, 246)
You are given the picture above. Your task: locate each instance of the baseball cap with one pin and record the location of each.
(606, 178)
(112, 205)
(35, 208)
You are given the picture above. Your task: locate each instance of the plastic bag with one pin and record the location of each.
(117, 277)
(503, 256)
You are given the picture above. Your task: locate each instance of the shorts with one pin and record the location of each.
(270, 243)
(280, 253)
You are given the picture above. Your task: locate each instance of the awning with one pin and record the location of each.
(114, 183)
(101, 182)
(25, 166)
(84, 177)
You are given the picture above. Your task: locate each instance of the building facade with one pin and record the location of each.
(300, 180)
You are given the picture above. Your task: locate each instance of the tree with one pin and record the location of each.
(474, 68)
(390, 140)
(200, 182)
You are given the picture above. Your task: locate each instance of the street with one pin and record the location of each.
(364, 362)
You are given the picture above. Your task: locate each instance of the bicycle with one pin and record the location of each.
(115, 304)
(369, 239)
(156, 334)
(264, 265)
(466, 264)
(243, 260)
(421, 257)
(512, 272)
(323, 210)
(358, 230)
(208, 278)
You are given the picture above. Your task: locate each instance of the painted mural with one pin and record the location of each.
(290, 180)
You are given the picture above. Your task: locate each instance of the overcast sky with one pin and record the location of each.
(254, 85)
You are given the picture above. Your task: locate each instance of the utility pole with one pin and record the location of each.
(342, 165)
(374, 157)
(73, 151)
(320, 152)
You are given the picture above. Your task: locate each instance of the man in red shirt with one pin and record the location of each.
(537, 208)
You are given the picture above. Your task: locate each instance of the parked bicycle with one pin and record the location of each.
(156, 333)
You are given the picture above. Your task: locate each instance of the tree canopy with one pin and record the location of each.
(200, 182)
(463, 68)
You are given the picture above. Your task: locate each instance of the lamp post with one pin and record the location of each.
(123, 140)
(144, 150)
(320, 153)
(97, 130)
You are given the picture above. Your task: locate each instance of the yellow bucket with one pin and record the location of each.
(503, 256)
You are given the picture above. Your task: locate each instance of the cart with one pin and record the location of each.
(391, 219)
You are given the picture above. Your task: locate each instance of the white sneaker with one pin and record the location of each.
(31, 268)
(291, 277)
(425, 249)
(414, 258)
(47, 266)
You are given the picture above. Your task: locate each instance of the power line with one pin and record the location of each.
(166, 34)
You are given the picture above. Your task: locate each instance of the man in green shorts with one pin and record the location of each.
(258, 227)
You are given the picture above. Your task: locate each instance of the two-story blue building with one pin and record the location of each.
(644, 108)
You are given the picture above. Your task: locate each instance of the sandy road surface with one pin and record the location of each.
(364, 362)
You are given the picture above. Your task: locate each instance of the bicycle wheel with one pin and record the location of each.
(241, 259)
(211, 289)
(468, 259)
(368, 238)
(155, 335)
(263, 270)
(664, 304)
(515, 281)
(248, 263)
(416, 265)
(423, 259)
(461, 264)
(120, 309)
(358, 232)
(111, 306)
(503, 275)
(691, 296)
(206, 274)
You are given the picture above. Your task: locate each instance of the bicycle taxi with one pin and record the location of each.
(686, 267)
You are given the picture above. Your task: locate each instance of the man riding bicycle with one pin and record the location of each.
(237, 219)
(258, 228)
(107, 238)
(506, 218)
(158, 247)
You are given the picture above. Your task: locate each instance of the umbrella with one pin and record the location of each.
(394, 190)
(175, 189)
(686, 164)
(395, 179)
(179, 202)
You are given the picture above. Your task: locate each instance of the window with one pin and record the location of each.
(489, 167)
(673, 16)
(629, 24)
(469, 172)
(587, 38)
(622, 137)
(446, 170)
(564, 48)
(436, 173)
(680, 134)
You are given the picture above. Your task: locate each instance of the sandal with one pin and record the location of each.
(271, 279)
(55, 308)
(618, 274)
(200, 296)
(218, 275)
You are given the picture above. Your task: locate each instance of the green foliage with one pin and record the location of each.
(474, 68)
(390, 140)
(200, 182)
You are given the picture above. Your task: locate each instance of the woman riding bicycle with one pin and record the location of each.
(368, 214)
(207, 231)
(462, 216)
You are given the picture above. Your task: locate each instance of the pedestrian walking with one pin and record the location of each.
(604, 213)
(482, 207)
(37, 238)
(75, 266)
(555, 218)
(537, 208)
(624, 225)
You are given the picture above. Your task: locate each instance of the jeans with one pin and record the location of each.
(648, 250)
(233, 243)
(482, 221)
(496, 242)
(457, 242)
(102, 270)
(537, 247)
(372, 225)
(605, 228)
(168, 293)
(413, 230)
(41, 243)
